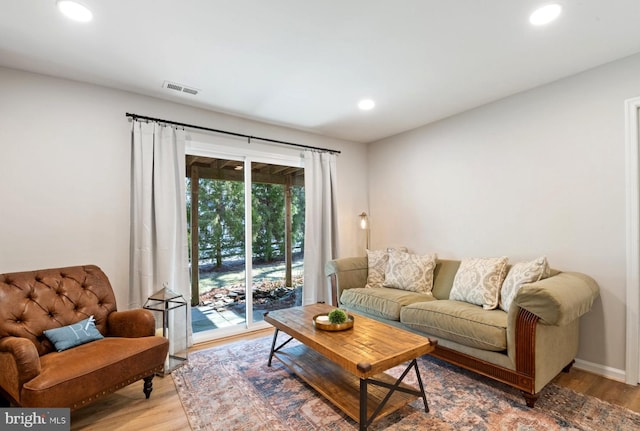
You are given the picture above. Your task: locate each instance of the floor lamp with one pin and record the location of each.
(364, 225)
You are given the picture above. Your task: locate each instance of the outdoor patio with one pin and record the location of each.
(223, 304)
(207, 317)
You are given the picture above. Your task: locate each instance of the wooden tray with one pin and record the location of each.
(333, 326)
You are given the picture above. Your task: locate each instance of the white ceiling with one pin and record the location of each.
(305, 64)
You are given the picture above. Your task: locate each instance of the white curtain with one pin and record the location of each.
(321, 231)
(159, 248)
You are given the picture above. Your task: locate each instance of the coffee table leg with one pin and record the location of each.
(274, 349)
(364, 421)
(363, 405)
(424, 396)
(273, 346)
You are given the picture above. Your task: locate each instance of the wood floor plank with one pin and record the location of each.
(600, 387)
(128, 409)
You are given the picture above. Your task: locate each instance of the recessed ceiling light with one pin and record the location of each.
(545, 14)
(74, 10)
(366, 104)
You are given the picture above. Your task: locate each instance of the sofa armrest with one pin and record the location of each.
(131, 323)
(346, 273)
(560, 299)
(19, 362)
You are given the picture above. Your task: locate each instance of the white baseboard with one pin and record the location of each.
(601, 370)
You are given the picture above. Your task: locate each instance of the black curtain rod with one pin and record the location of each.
(241, 135)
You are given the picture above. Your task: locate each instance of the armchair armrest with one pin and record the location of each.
(560, 299)
(20, 356)
(131, 323)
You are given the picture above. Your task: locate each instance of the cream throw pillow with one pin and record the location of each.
(522, 273)
(411, 272)
(377, 266)
(478, 281)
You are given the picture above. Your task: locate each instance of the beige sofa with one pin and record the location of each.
(525, 347)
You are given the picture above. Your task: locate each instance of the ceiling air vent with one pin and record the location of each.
(180, 88)
(189, 90)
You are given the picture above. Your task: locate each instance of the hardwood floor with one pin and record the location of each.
(606, 389)
(128, 409)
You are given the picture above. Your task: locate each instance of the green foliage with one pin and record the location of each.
(297, 215)
(337, 316)
(268, 221)
(221, 219)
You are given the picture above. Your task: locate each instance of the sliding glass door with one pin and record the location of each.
(216, 211)
(241, 269)
(277, 215)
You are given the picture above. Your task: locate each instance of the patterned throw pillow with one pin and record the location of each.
(478, 281)
(519, 274)
(377, 263)
(412, 272)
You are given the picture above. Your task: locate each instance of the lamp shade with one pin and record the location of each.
(364, 221)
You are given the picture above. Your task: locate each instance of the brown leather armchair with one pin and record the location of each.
(34, 374)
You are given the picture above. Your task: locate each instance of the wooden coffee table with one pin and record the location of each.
(347, 367)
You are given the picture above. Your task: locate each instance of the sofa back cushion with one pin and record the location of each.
(34, 301)
(443, 276)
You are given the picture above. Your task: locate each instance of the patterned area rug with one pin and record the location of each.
(231, 388)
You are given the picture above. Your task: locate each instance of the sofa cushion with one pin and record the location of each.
(443, 276)
(384, 302)
(458, 321)
(478, 281)
(409, 271)
(96, 368)
(376, 267)
(522, 273)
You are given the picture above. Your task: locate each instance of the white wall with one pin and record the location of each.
(65, 175)
(538, 173)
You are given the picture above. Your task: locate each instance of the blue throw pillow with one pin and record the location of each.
(73, 335)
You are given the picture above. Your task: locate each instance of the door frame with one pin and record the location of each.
(632, 142)
(234, 149)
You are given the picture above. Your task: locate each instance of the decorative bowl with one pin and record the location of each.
(325, 325)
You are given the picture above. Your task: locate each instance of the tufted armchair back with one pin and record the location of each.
(34, 301)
